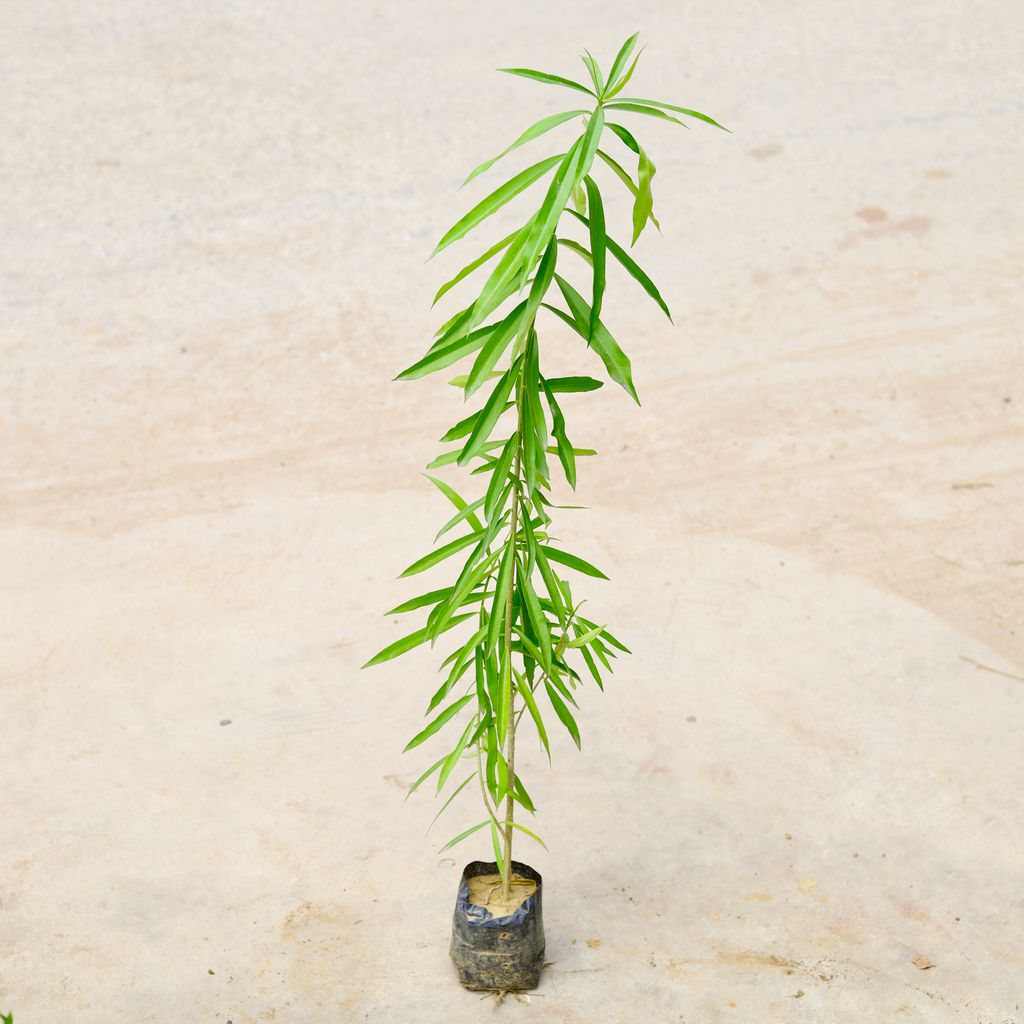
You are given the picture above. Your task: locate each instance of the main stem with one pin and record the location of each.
(510, 755)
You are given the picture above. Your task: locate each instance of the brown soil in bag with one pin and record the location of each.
(485, 891)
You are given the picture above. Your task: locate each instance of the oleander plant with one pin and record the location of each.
(525, 646)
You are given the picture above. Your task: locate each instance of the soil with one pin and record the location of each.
(485, 891)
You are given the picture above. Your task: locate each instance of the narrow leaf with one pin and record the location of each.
(570, 385)
(492, 410)
(543, 76)
(407, 643)
(545, 124)
(615, 360)
(620, 61)
(573, 561)
(442, 719)
(470, 267)
(563, 714)
(598, 247)
(680, 110)
(495, 201)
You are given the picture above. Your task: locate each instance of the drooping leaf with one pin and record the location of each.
(531, 706)
(543, 76)
(537, 621)
(680, 110)
(643, 206)
(566, 455)
(496, 200)
(545, 124)
(615, 360)
(598, 247)
(563, 714)
(640, 108)
(633, 269)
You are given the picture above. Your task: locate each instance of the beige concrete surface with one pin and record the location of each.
(808, 775)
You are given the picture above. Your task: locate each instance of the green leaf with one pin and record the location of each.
(594, 70)
(521, 797)
(426, 775)
(531, 706)
(546, 219)
(545, 124)
(569, 385)
(639, 108)
(680, 110)
(444, 807)
(470, 267)
(496, 487)
(492, 410)
(571, 243)
(563, 714)
(615, 360)
(582, 639)
(432, 597)
(442, 719)
(444, 355)
(460, 380)
(643, 206)
(620, 61)
(572, 561)
(537, 621)
(441, 553)
(609, 93)
(496, 846)
(626, 180)
(461, 429)
(626, 136)
(542, 76)
(407, 643)
(632, 268)
(463, 835)
(447, 458)
(566, 455)
(522, 828)
(496, 200)
(453, 758)
(498, 607)
(598, 246)
(591, 140)
(493, 349)
(466, 513)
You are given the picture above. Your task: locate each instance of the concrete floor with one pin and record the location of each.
(215, 219)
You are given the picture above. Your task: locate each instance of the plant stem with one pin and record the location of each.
(510, 756)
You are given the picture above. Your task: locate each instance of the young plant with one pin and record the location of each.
(527, 644)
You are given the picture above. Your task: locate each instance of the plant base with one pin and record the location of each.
(498, 953)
